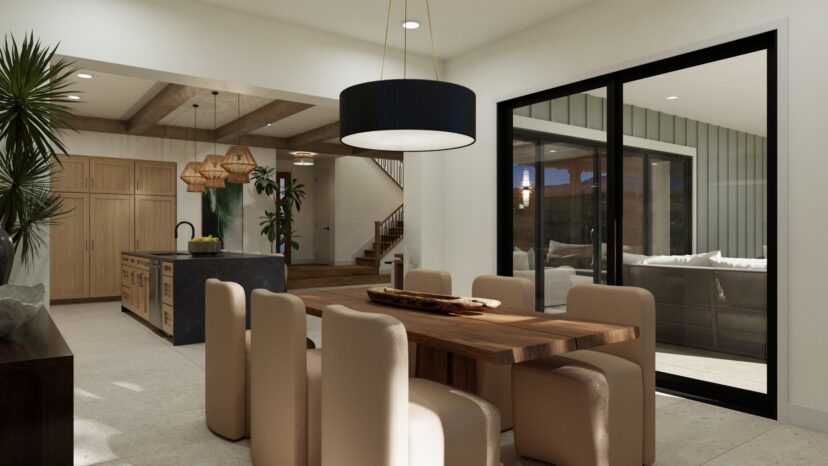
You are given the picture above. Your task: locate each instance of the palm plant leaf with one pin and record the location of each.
(34, 98)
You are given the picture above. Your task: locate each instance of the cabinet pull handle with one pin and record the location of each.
(93, 183)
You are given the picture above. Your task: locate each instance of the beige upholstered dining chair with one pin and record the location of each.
(602, 400)
(373, 415)
(494, 380)
(424, 281)
(285, 381)
(226, 349)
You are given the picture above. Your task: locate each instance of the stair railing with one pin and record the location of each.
(387, 233)
(395, 169)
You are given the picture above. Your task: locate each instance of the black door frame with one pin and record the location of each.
(743, 400)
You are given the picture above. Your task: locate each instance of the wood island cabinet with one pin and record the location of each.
(115, 205)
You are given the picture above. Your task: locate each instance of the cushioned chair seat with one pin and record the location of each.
(247, 385)
(583, 408)
(471, 425)
(425, 437)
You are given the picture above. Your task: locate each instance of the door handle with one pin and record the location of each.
(327, 228)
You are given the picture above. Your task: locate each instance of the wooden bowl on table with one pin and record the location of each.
(444, 304)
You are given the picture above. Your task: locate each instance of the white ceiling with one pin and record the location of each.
(118, 97)
(112, 96)
(729, 93)
(459, 25)
(313, 117)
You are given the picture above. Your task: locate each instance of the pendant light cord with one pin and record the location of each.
(195, 132)
(238, 118)
(405, 39)
(215, 111)
(431, 35)
(385, 43)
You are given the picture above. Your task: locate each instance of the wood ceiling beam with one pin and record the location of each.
(170, 98)
(268, 113)
(316, 135)
(105, 125)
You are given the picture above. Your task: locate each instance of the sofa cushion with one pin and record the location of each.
(739, 263)
(693, 260)
(520, 260)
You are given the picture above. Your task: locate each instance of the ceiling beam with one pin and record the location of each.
(170, 98)
(269, 113)
(321, 134)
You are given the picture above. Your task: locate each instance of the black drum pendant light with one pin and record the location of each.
(408, 115)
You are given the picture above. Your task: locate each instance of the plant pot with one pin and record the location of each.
(204, 247)
(6, 256)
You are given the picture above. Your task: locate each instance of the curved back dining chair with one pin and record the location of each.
(494, 381)
(424, 281)
(226, 346)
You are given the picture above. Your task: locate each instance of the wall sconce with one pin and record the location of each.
(526, 188)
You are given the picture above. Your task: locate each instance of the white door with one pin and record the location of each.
(324, 215)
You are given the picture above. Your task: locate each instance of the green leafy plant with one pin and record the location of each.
(34, 111)
(277, 225)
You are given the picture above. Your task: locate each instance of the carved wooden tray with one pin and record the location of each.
(443, 304)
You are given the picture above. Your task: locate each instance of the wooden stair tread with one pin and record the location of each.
(320, 282)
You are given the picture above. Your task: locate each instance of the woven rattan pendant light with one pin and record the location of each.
(211, 168)
(238, 161)
(190, 175)
(407, 114)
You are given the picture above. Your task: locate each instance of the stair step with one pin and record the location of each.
(319, 271)
(370, 253)
(366, 262)
(321, 282)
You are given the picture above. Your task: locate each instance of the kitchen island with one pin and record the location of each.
(166, 289)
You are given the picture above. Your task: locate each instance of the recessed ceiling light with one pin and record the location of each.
(73, 97)
(672, 97)
(84, 75)
(269, 124)
(411, 24)
(552, 150)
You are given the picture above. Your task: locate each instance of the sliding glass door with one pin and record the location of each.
(659, 177)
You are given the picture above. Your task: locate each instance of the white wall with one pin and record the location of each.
(608, 36)
(363, 194)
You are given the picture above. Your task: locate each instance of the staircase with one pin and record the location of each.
(388, 232)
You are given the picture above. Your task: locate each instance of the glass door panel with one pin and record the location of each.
(559, 181)
(694, 219)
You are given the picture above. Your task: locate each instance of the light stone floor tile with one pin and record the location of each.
(692, 433)
(140, 401)
(784, 445)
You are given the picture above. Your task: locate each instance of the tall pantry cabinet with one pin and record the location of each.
(113, 205)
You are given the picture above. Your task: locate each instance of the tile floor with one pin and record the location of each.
(140, 401)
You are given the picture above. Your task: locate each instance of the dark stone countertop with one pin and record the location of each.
(173, 256)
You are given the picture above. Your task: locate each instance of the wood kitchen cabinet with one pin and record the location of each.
(111, 176)
(72, 175)
(69, 249)
(115, 205)
(155, 223)
(111, 231)
(155, 178)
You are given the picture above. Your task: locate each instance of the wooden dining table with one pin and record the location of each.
(449, 344)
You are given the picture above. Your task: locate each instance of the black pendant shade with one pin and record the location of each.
(408, 115)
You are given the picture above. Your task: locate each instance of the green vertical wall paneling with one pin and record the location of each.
(750, 193)
(541, 110)
(578, 110)
(666, 128)
(712, 187)
(741, 195)
(595, 112)
(652, 125)
(700, 132)
(639, 126)
(680, 131)
(628, 119)
(730, 166)
(721, 183)
(559, 109)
